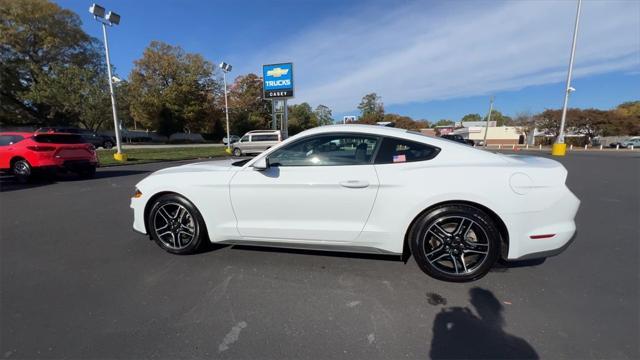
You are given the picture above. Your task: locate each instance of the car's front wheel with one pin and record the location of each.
(237, 152)
(175, 224)
(107, 145)
(455, 242)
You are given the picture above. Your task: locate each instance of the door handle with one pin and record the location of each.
(354, 184)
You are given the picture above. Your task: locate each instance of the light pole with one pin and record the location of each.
(559, 147)
(486, 128)
(225, 69)
(110, 19)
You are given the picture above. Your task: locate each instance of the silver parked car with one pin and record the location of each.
(256, 141)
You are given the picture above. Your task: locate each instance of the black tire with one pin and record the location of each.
(455, 243)
(162, 208)
(88, 172)
(107, 145)
(237, 152)
(21, 170)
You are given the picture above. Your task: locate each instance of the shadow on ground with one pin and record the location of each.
(9, 183)
(461, 333)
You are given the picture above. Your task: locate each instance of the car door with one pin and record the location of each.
(319, 188)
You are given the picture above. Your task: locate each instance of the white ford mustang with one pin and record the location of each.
(365, 188)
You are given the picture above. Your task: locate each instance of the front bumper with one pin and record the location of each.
(138, 205)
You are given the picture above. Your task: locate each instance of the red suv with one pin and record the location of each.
(24, 153)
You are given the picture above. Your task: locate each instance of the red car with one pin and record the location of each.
(24, 153)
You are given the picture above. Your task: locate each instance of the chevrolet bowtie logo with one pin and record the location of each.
(277, 72)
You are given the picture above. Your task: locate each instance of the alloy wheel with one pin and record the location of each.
(174, 226)
(21, 168)
(456, 245)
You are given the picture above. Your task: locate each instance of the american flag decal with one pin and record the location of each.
(399, 158)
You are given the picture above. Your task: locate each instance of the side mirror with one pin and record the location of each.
(261, 164)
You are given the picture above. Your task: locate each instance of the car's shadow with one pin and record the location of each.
(499, 266)
(10, 183)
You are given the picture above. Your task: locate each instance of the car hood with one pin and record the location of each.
(207, 166)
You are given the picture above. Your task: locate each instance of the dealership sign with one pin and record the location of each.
(278, 80)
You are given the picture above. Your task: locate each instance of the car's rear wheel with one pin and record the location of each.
(22, 170)
(107, 145)
(455, 243)
(237, 152)
(175, 224)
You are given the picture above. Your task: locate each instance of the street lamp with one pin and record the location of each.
(225, 69)
(559, 147)
(486, 128)
(110, 19)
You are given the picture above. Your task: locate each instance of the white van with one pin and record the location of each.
(256, 141)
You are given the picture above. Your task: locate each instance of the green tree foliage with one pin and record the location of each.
(444, 122)
(499, 118)
(174, 91)
(247, 109)
(324, 115)
(51, 71)
(301, 117)
(371, 109)
(472, 117)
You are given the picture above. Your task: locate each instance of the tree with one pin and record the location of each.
(301, 117)
(472, 117)
(174, 91)
(75, 96)
(406, 122)
(247, 109)
(444, 122)
(41, 43)
(371, 109)
(323, 115)
(499, 118)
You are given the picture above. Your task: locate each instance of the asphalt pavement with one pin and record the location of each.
(77, 282)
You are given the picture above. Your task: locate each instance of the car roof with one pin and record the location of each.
(262, 131)
(378, 130)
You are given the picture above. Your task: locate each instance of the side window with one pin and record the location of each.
(393, 151)
(245, 138)
(266, 137)
(327, 150)
(9, 139)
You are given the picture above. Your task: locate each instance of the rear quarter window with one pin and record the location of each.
(58, 139)
(393, 151)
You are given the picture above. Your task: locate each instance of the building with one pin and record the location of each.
(428, 132)
(505, 135)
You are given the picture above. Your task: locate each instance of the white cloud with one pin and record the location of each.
(421, 52)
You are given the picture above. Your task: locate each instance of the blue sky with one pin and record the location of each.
(427, 59)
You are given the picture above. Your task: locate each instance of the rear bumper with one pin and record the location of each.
(556, 220)
(66, 163)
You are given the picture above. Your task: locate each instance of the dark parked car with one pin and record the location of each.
(87, 135)
(458, 138)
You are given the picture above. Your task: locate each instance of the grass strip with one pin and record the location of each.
(141, 155)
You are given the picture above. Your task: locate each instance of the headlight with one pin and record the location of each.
(137, 194)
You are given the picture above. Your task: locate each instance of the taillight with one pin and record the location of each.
(41, 148)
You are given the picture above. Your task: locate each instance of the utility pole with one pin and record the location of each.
(225, 69)
(110, 19)
(559, 147)
(486, 128)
